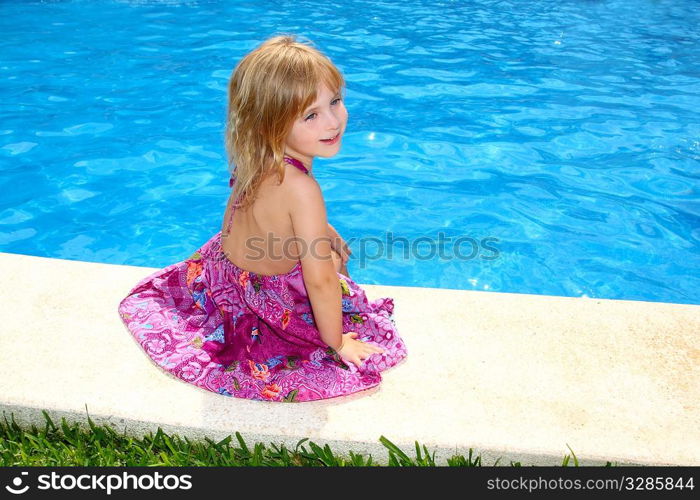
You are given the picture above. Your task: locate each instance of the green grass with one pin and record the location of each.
(73, 445)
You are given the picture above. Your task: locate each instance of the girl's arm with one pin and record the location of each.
(308, 215)
(338, 244)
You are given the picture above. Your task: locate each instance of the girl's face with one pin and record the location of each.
(324, 119)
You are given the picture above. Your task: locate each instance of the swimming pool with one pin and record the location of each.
(561, 134)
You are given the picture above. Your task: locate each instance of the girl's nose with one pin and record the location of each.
(334, 121)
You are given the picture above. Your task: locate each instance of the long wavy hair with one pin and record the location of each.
(269, 89)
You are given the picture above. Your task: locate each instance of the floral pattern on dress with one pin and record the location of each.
(239, 334)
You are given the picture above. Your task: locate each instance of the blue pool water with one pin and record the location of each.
(561, 136)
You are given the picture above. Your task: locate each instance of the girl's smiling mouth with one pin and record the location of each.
(332, 140)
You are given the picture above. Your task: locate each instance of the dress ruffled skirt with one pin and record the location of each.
(230, 331)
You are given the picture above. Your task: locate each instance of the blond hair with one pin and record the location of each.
(269, 89)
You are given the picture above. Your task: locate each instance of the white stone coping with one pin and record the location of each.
(513, 376)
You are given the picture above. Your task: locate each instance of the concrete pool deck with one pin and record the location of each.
(513, 376)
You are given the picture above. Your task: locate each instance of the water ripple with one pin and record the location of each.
(570, 138)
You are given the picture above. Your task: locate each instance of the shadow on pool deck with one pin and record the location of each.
(513, 376)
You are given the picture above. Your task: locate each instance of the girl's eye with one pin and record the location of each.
(334, 101)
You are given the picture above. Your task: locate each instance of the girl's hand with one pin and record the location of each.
(339, 245)
(355, 351)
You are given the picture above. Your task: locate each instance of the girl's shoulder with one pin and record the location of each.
(295, 183)
(304, 200)
(273, 195)
(298, 184)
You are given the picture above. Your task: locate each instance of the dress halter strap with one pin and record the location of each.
(296, 163)
(287, 159)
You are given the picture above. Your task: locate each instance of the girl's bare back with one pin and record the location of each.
(260, 238)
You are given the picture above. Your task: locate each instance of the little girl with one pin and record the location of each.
(265, 309)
